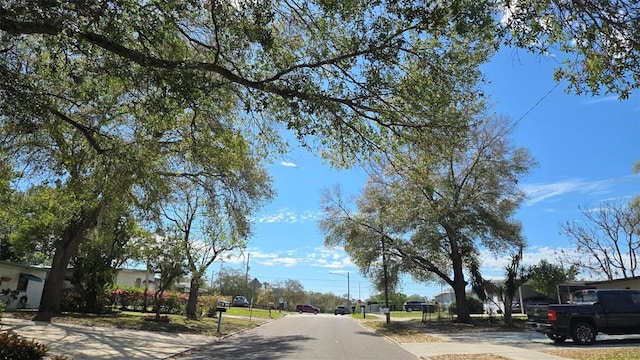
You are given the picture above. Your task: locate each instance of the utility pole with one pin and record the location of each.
(348, 292)
(386, 281)
(348, 287)
(246, 275)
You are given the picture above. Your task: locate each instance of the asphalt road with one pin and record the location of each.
(304, 336)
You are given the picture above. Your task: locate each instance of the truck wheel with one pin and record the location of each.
(583, 333)
(558, 339)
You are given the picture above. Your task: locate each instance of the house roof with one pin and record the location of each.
(22, 266)
(634, 278)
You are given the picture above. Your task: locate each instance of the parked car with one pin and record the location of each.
(515, 306)
(341, 310)
(414, 306)
(307, 309)
(240, 301)
(612, 312)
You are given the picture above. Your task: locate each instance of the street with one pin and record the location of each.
(304, 336)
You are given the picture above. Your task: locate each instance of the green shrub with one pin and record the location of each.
(14, 347)
(475, 306)
(71, 301)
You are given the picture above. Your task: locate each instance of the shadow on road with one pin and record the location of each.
(255, 348)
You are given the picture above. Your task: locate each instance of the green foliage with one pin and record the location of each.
(475, 306)
(430, 213)
(72, 301)
(7, 295)
(546, 277)
(95, 264)
(604, 60)
(230, 282)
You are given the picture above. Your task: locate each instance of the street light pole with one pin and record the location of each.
(348, 292)
(348, 288)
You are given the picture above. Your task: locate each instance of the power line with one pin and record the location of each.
(537, 103)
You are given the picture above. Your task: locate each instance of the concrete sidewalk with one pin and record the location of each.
(83, 342)
(517, 346)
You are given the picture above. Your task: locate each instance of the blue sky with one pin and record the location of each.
(585, 145)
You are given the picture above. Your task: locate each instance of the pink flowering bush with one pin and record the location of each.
(131, 298)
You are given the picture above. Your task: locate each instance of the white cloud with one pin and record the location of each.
(318, 257)
(539, 192)
(280, 261)
(288, 164)
(603, 99)
(494, 267)
(290, 216)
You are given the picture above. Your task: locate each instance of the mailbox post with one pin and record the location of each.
(220, 310)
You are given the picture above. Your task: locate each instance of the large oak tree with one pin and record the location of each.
(106, 102)
(432, 213)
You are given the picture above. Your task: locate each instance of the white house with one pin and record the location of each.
(138, 278)
(27, 280)
(445, 298)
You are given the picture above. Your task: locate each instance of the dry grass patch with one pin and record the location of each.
(599, 354)
(468, 357)
(140, 321)
(401, 332)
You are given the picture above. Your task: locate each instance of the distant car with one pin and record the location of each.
(240, 301)
(515, 306)
(307, 309)
(341, 310)
(414, 306)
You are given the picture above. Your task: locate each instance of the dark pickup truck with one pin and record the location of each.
(613, 312)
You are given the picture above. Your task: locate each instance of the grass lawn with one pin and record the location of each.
(234, 320)
(255, 313)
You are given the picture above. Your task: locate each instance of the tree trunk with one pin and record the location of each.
(192, 304)
(462, 308)
(64, 249)
(156, 300)
(508, 310)
(459, 288)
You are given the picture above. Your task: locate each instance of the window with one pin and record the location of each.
(22, 282)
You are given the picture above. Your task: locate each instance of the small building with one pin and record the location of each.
(446, 298)
(27, 280)
(627, 283)
(138, 278)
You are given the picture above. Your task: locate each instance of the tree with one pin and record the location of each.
(293, 293)
(165, 256)
(212, 217)
(230, 282)
(598, 38)
(610, 237)
(98, 259)
(106, 101)
(516, 276)
(545, 277)
(323, 70)
(438, 208)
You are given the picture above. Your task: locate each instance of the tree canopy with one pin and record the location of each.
(430, 214)
(104, 103)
